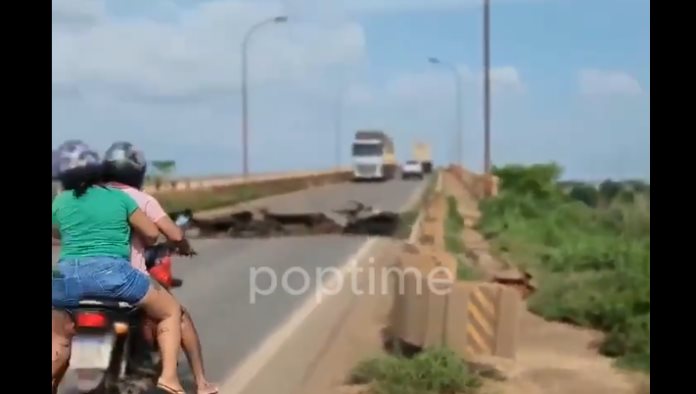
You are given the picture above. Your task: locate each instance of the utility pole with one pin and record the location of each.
(245, 93)
(459, 131)
(487, 87)
(337, 129)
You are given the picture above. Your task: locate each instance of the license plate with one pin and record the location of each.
(91, 352)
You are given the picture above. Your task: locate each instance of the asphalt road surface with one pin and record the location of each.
(217, 283)
(390, 196)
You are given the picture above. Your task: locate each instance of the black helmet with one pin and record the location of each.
(72, 155)
(126, 164)
(76, 166)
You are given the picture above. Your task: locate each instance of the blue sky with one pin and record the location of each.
(571, 80)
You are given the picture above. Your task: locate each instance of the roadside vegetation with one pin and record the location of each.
(454, 242)
(433, 371)
(200, 200)
(219, 197)
(588, 246)
(406, 221)
(430, 371)
(408, 218)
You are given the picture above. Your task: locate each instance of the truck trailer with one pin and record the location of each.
(421, 152)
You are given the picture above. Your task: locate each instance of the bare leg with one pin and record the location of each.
(192, 348)
(149, 331)
(161, 306)
(63, 331)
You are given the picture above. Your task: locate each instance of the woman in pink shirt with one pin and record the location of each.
(124, 168)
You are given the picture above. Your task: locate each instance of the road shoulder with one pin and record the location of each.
(289, 361)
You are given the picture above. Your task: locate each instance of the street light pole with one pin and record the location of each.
(245, 105)
(458, 86)
(487, 86)
(337, 129)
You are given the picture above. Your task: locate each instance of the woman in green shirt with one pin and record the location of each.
(94, 224)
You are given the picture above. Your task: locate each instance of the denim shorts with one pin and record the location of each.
(112, 278)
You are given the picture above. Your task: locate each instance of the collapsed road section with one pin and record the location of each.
(355, 219)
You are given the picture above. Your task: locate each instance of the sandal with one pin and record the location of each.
(168, 389)
(214, 390)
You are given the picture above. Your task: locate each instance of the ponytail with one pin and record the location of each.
(79, 180)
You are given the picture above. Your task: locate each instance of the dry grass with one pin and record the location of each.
(198, 200)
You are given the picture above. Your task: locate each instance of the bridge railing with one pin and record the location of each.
(210, 182)
(198, 183)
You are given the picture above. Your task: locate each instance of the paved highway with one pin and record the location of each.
(390, 196)
(217, 283)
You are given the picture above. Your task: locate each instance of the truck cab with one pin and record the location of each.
(368, 159)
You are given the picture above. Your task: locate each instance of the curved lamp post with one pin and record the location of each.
(245, 106)
(458, 83)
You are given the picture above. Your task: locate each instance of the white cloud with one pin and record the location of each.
(166, 75)
(194, 57)
(595, 82)
(358, 93)
(77, 12)
(437, 82)
(384, 6)
(506, 78)
(334, 7)
(420, 105)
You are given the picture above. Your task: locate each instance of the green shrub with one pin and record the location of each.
(610, 189)
(436, 371)
(454, 225)
(638, 186)
(593, 262)
(586, 194)
(627, 196)
(406, 221)
(538, 180)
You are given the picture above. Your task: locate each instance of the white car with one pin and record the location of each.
(412, 169)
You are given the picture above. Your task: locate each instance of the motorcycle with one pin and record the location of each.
(108, 350)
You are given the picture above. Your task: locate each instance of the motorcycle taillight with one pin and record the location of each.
(91, 319)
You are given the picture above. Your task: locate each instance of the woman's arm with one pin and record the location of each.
(175, 235)
(56, 233)
(145, 227)
(170, 229)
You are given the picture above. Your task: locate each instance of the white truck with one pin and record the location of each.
(373, 156)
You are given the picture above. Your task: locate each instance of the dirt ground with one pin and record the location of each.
(552, 358)
(557, 358)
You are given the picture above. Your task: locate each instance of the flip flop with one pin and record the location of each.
(214, 389)
(168, 389)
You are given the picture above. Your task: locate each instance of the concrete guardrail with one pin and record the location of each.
(200, 183)
(187, 184)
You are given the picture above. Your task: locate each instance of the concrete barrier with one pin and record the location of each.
(202, 183)
(483, 319)
(420, 285)
(432, 231)
(189, 184)
(432, 309)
